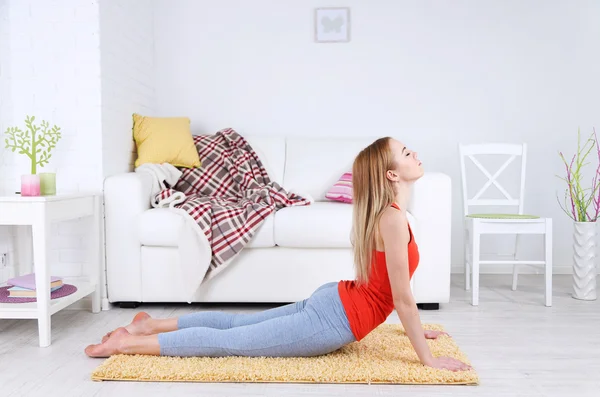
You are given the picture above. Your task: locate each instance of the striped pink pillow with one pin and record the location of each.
(342, 189)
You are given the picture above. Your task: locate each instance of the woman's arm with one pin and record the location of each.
(393, 229)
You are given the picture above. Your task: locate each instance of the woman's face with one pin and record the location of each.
(408, 166)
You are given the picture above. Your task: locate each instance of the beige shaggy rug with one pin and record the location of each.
(384, 356)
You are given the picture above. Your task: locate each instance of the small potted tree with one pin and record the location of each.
(582, 204)
(35, 142)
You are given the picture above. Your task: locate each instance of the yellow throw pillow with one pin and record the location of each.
(164, 140)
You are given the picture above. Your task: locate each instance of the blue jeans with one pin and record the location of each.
(315, 326)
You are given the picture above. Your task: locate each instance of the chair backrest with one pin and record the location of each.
(512, 151)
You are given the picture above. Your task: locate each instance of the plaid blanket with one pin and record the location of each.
(229, 196)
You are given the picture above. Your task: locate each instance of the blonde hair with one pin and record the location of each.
(372, 193)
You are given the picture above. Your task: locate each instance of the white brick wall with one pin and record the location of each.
(6, 232)
(127, 61)
(5, 104)
(5, 107)
(54, 74)
(85, 65)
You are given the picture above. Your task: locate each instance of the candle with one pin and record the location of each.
(48, 183)
(30, 185)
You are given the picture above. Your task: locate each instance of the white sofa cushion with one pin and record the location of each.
(161, 227)
(314, 165)
(319, 225)
(265, 235)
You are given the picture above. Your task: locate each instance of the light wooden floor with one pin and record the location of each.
(518, 346)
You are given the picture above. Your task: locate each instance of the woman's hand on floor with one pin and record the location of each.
(430, 334)
(449, 363)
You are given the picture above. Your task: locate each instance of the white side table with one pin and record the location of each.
(40, 212)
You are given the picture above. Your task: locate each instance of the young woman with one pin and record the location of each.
(338, 313)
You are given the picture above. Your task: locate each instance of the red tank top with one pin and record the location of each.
(369, 305)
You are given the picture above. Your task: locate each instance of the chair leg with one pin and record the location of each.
(515, 267)
(475, 264)
(467, 247)
(467, 276)
(548, 266)
(467, 268)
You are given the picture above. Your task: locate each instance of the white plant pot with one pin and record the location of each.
(584, 260)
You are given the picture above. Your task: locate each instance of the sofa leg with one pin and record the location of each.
(428, 306)
(129, 305)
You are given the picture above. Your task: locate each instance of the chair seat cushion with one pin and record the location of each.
(503, 216)
(161, 227)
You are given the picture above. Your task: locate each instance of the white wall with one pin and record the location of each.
(431, 73)
(127, 71)
(5, 110)
(54, 74)
(5, 104)
(85, 66)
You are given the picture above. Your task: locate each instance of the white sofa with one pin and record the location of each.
(296, 249)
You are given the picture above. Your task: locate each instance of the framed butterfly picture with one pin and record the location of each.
(332, 25)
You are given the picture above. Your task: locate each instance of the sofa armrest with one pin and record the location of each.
(431, 205)
(126, 197)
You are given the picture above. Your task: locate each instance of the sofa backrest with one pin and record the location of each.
(271, 151)
(309, 165)
(314, 164)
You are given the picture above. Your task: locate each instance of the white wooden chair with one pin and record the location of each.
(478, 224)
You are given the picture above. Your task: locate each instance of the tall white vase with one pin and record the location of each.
(584, 260)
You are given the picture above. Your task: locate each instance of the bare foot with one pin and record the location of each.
(138, 326)
(113, 345)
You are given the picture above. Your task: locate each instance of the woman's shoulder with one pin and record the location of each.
(393, 213)
(393, 224)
